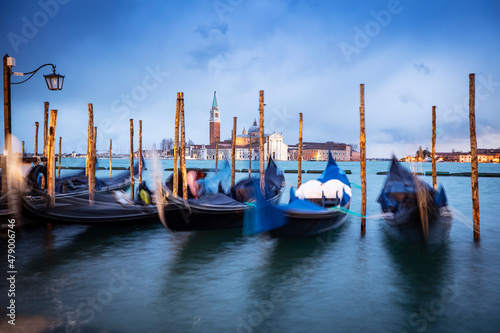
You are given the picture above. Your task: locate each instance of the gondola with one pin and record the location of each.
(72, 206)
(413, 210)
(67, 186)
(78, 182)
(304, 217)
(216, 211)
(75, 209)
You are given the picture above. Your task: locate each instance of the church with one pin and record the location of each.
(277, 149)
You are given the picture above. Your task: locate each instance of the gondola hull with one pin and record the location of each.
(406, 225)
(309, 225)
(195, 219)
(76, 210)
(190, 215)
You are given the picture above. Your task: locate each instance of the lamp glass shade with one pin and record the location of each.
(54, 81)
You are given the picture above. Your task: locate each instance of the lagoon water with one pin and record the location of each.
(145, 279)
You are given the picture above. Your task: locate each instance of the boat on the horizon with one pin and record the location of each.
(413, 210)
(427, 159)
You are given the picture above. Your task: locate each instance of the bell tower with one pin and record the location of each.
(214, 122)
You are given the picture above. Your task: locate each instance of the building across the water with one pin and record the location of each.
(318, 151)
(273, 145)
(483, 156)
(277, 148)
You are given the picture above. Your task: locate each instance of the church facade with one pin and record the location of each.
(277, 148)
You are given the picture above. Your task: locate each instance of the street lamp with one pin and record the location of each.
(54, 82)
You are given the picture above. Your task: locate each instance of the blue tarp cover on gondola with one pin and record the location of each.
(332, 171)
(263, 218)
(217, 180)
(243, 190)
(400, 182)
(267, 217)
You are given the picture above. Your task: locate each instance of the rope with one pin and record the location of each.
(4, 197)
(341, 210)
(462, 218)
(350, 212)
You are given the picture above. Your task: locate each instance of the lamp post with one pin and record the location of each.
(54, 82)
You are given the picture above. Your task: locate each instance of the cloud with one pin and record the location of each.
(207, 30)
(423, 69)
(410, 97)
(213, 44)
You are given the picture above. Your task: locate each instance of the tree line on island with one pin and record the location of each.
(167, 145)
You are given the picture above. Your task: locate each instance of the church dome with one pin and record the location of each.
(254, 129)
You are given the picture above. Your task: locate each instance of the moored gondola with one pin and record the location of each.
(216, 209)
(75, 209)
(76, 183)
(413, 210)
(309, 215)
(72, 207)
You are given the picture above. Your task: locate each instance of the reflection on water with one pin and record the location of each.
(425, 276)
(203, 247)
(288, 267)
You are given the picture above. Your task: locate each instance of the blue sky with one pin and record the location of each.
(130, 58)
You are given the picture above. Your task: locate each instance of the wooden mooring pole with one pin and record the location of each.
(132, 159)
(233, 152)
(176, 146)
(183, 150)
(110, 155)
(261, 142)
(90, 135)
(140, 152)
(268, 147)
(51, 160)
(362, 145)
(7, 72)
(88, 162)
(299, 157)
(36, 138)
(22, 151)
(91, 173)
(45, 127)
(473, 157)
(434, 172)
(249, 156)
(216, 154)
(59, 159)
